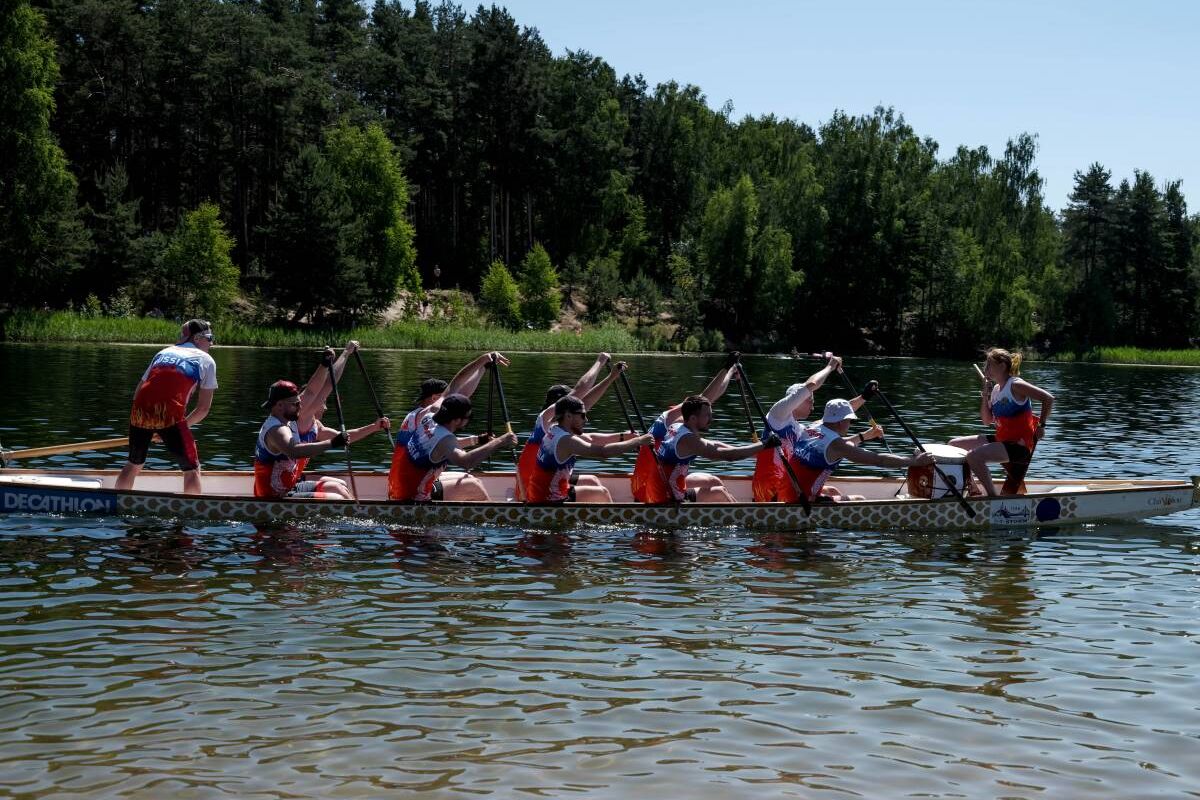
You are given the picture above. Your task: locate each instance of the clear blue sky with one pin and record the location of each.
(1114, 82)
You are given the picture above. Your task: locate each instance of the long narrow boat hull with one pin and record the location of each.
(227, 497)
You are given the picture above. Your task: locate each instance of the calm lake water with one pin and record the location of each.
(151, 658)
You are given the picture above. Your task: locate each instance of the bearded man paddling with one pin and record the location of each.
(281, 454)
(564, 442)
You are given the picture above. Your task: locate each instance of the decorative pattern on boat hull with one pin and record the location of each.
(1062, 505)
(923, 515)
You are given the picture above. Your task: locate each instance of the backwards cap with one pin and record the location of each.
(280, 390)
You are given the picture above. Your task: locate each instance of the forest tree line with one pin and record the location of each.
(317, 157)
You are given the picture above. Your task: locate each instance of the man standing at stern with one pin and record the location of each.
(160, 404)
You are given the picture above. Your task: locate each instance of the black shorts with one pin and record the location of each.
(1017, 466)
(1017, 452)
(177, 439)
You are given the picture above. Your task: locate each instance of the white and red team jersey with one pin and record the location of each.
(409, 425)
(550, 481)
(174, 373)
(669, 481)
(809, 458)
(771, 482)
(645, 469)
(413, 471)
(276, 474)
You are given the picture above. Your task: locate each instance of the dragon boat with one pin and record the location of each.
(886, 504)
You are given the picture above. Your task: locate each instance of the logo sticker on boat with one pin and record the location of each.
(1010, 512)
(48, 501)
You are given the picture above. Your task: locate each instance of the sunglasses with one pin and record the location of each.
(209, 335)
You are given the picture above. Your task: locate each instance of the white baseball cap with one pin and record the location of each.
(837, 410)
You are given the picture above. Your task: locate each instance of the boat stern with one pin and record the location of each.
(1196, 490)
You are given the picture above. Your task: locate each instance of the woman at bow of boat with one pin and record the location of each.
(563, 443)
(1006, 402)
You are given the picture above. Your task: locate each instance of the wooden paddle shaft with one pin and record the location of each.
(38, 452)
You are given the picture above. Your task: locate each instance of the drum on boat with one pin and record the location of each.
(927, 483)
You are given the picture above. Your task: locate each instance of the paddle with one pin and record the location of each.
(946, 480)
(56, 449)
(371, 388)
(337, 404)
(490, 432)
(870, 417)
(746, 405)
(520, 490)
(744, 385)
(625, 411)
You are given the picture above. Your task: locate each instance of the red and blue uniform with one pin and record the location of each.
(810, 458)
(174, 372)
(771, 482)
(527, 463)
(307, 437)
(414, 473)
(550, 481)
(160, 403)
(405, 431)
(645, 468)
(668, 482)
(279, 475)
(275, 474)
(1015, 420)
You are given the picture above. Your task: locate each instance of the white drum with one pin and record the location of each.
(926, 482)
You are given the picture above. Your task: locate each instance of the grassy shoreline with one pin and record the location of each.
(68, 326)
(1133, 355)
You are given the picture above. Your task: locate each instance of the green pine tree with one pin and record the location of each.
(42, 238)
(539, 288)
(499, 298)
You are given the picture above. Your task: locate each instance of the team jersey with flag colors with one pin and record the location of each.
(527, 463)
(413, 471)
(771, 482)
(409, 425)
(308, 436)
(645, 468)
(276, 473)
(551, 478)
(161, 398)
(1015, 420)
(669, 481)
(810, 461)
